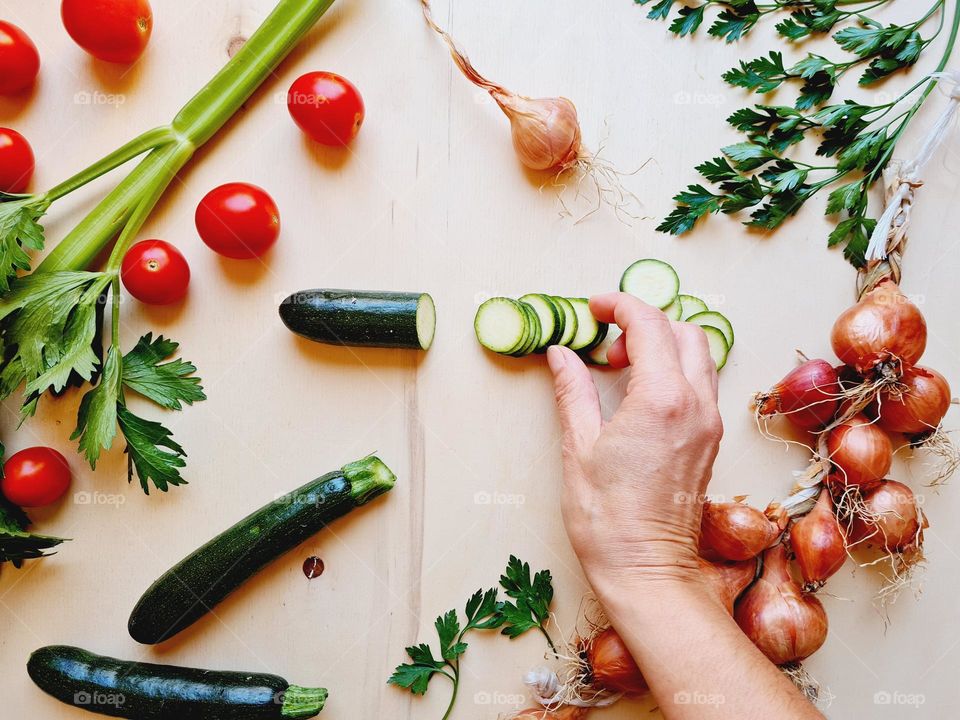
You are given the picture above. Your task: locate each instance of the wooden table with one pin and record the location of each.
(430, 197)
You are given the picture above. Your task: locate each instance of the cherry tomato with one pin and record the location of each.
(19, 59)
(113, 30)
(238, 221)
(35, 477)
(16, 161)
(327, 107)
(155, 272)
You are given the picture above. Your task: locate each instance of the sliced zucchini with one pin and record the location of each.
(548, 314)
(714, 319)
(561, 319)
(588, 327)
(674, 310)
(598, 355)
(501, 325)
(691, 306)
(569, 320)
(533, 337)
(653, 281)
(718, 345)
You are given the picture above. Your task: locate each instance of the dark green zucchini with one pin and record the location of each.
(187, 591)
(145, 691)
(357, 317)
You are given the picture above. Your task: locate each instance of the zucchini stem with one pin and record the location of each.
(369, 478)
(301, 702)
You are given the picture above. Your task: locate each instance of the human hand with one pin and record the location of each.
(633, 486)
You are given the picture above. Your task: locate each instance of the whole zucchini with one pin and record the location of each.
(145, 691)
(187, 591)
(363, 318)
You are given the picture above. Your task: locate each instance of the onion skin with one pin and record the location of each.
(819, 543)
(786, 624)
(736, 531)
(727, 580)
(883, 328)
(899, 522)
(917, 408)
(860, 451)
(567, 712)
(612, 667)
(546, 132)
(807, 396)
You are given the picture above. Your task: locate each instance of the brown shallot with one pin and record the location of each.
(916, 406)
(891, 518)
(737, 531)
(860, 451)
(819, 542)
(808, 396)
(786, 624)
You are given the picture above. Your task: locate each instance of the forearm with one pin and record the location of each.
(695, 659)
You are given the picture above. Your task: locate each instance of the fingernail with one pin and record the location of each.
(556, 359)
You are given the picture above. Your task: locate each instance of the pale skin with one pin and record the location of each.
(631, 498)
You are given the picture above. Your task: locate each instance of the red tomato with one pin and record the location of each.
(238, 221)
(16, 161)
(19, 59)
(155, 272)
(35, 477)
(113, 30)
(327, 107)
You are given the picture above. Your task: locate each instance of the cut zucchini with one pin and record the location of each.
(718, 345)
(501, 325)
(653, 281)
(691, 306)
(561, 319)
(714, 319)
(569, 320)
(598, 355)
(534, 334)
(548, 314)
(588, 328)
(674, 310)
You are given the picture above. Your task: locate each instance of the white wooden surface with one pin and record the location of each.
(431, 198)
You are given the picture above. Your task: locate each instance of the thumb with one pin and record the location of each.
(577, 400)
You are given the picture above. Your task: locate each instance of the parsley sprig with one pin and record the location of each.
(528, 609)
(736, 18)
(765, 175)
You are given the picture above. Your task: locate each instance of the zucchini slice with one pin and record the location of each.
(549, 315)
(653, 281)
(192, 587)
(691, 306)
(674, 310)
(535, 331)
(362, 318)
(598, 355)
(120, 688)
(569, 320)
(501, 325)
(714, 319)
(718, 345)
(589, 330)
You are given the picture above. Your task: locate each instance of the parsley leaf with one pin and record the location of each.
(166, 384)
(151, 451)
(416, 676)
(20, 230)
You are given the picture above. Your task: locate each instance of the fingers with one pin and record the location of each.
(577, 400)
(695, 361)
(650, 344)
